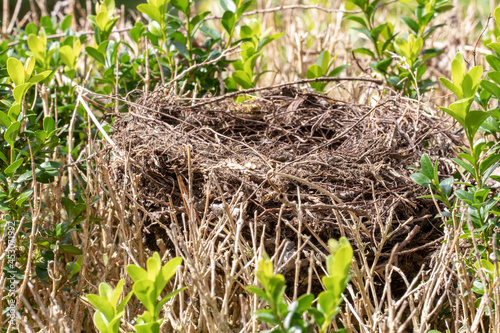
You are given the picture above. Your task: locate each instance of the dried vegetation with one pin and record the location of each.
(280, 173)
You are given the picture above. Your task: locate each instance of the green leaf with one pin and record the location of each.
(228, 20)
(151, 11)
(246, 32)
(365, 51)
(375, 32)
(491, 125)
(196, 22)
(19, 92)
(137, 31)
(421, 179)
(318, 317)
(61, 228)
(39, 77)
(457, 90)
(25, 195)
(147, 328)
(101, 322)
(166, 299)
(474, 119)
(48, 124)
(111, 24)
(75, 267)
(103, 305)
(243, 79)
(266, 316)
(94, 53)
(381, 66)
(411, 24)
(497, 16)
(265, 270)
(488, 162)
(70, 249)
(365, 32)
(11, 169)
(313, 72)
(5, 120)
(110, 6)
(31, 28)
(276, 287)
(136, 273)
(116, 293)
(341, 265)
(304, 303)
(3, 158)
(327, 303)
(14, 112)
(495, 77)
(182, 5)
(28, 175)
(166, 273)
(259, 292)
(243, 7)
(16, 71)
(124, 301)
(426, 165)
(459, 109)
(446, 186)
(67, 55)
(29, 65)
(323, 61)
(336, 71)
(249, 64)
(478, 288)
(153, 266)
(145, 292)
(493, 88)
(210, 33)
(105, 290)
(465, 196)
(488, 266)
(458, 70)
(493, 61)
(155, 28)
(12, 132)
(66, 22)
(464, 165)
(471, 81)
(357, 19)
(38, 45)
(102, 20)
(269, 39)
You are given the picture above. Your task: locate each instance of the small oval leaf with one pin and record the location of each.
(16, 71)
(12, 132)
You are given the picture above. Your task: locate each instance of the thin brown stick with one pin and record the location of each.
(479, 38)
(291, 7)
(60, 35)
(5, 15)
(278, 86)
(204, 63)
(14, 16)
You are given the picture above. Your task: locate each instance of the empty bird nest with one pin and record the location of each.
(287, 159)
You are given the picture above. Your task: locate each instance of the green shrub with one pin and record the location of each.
(408, 73)
(148, 287)
(288, 319)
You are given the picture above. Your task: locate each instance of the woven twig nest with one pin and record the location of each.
(349, 162)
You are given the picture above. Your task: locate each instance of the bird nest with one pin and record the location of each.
(291, 159)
